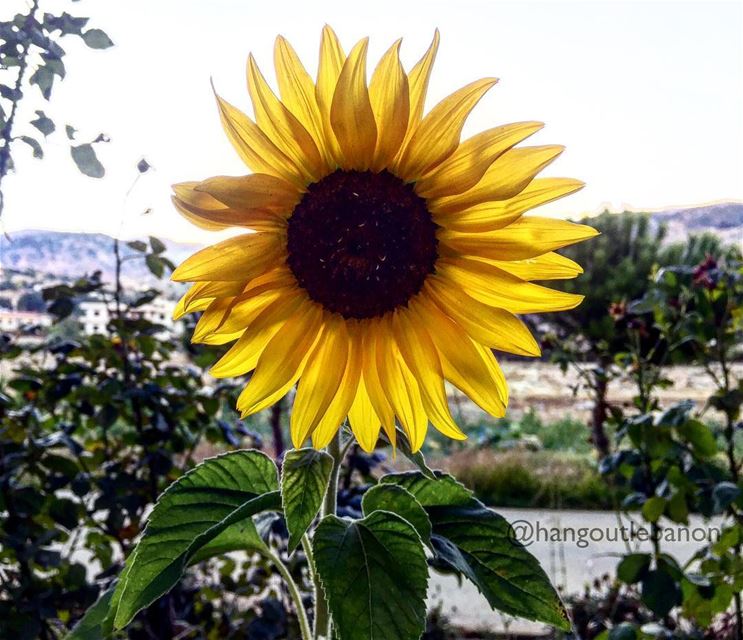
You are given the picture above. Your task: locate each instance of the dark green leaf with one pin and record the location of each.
(305, 474)
(192, 512)
(724, 494)
(43, 123)
(90, 626)
(487, 553)
(137, 245)
(34, 144)
(97, 39)
(442, 491)
(392, 497)
(86, 160)
(660, 592)
(633, 567)
(155, 265)
(43, 77)
(375, 576)
(157, 245)
(623, 631)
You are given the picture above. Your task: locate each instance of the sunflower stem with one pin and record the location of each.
(294, 593)
(323, 623)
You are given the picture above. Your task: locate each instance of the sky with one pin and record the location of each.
(646, 96)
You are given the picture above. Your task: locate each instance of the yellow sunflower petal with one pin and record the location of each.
(388, 93)
(437, 136)
(212, 317)
(550, 266)
(401, 387)
(422, 359)
(257, 191)
(255, 148)
(240, 258)
(468, 164)
(263, 323)
(372, 382)
(287, 133)
(364, 421)
(496, 215)
(418, 79)
(526, 238)
(205, 292)
(282, 361)
(340, 406)
(495, 328)
(351, 114)
(505, 178)
(495, 287)
(298, 91)
(321, 378)
(328, 71)
(465, 363)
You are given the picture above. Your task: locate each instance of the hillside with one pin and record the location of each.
(74, 254)
(724, 219)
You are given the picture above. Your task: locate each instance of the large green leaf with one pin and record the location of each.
(479, 543)
(441, 491)
(192, 512)
(403, 445)
(90, 626)
(394, 498)
(305, 474)
(375, 576)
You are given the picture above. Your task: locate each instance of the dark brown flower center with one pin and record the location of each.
(361, 243)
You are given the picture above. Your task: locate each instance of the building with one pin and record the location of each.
(15, 321)
(95, 314)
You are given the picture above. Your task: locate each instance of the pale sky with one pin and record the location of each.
(647, 96)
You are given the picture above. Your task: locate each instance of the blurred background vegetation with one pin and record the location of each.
(104, 402)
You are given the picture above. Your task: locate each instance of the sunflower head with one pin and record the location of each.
(382, 256)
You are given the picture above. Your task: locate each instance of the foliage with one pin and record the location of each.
(32, 56)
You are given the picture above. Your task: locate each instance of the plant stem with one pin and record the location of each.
(294, 593)
(330, 504)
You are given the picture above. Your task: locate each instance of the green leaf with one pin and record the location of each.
(137, 245)
(155, 265)
(305, 474)
(34, 144)
(660, 592)
(394, 498)
(653, 508)
(480, 544)
(623, 631)
(157, 245)
(699, 436)
(91, 625)
(375, 576)
(444, 490)
(633, 567)
(192, 512)
(97, 39)
(241, 536)
(43, 123)
(86, 160)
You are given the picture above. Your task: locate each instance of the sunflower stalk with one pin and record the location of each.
(323, 623)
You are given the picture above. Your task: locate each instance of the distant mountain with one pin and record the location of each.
(724, 219)
(74, 254)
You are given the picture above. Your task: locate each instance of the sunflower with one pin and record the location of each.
(383, 257)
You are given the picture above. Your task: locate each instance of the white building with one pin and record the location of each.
(96, 314)
(13, 321)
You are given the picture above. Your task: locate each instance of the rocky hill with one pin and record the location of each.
(724, 219)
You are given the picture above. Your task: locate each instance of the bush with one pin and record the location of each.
(537, 479)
